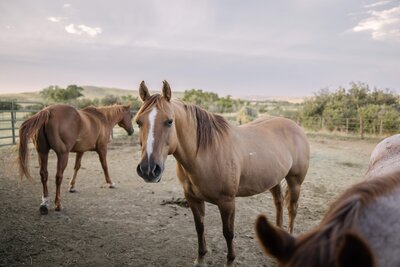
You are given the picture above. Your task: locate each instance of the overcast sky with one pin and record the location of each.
(236, 47)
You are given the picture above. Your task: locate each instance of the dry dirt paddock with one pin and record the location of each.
(130, 226)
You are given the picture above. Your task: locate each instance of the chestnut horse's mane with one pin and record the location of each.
(104, 112)
(210, 127)
(340, 219)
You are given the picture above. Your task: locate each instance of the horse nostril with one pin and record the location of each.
(139, 170)
(157, 171)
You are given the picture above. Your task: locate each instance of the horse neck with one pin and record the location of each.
(345, 215)
(379, 224)
(112, 114)
(186, 135)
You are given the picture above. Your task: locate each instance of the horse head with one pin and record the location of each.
(350, 249)
(157, 133)
(126, 120)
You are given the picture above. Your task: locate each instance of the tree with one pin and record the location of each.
(56, 94)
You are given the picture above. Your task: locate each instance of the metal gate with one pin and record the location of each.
(12, 114)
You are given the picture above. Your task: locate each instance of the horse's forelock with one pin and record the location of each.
(149, 103)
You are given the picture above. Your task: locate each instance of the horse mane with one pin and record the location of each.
(319, 246)
(210, 127)
(104, 112)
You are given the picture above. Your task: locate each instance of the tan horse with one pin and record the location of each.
(65, 129)
(217, 162)
(361, 229)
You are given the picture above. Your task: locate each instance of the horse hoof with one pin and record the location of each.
(43, 210)
(57, 209)
(72, 190)
(199, 264)
(112, 185)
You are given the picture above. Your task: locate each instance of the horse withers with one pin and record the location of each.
(361, 229)
(217, 162)
(65, 129)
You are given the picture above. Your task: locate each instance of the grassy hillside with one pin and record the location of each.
(90, 92)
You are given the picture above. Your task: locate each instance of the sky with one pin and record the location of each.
(231, 47)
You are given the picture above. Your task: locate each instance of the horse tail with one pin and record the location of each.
(29, 129)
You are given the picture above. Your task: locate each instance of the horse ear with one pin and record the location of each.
(275, 241)
(128, 106)
(355, 252)
(166, 90)
(143, 91)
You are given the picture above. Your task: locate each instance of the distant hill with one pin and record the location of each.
(90, 92)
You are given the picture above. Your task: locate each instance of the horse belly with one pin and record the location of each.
(253, 183)
(82, 146)
(380, 225)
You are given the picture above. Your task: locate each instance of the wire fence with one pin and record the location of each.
(352, 126)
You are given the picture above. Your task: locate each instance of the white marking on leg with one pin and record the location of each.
(150, 136)
(45, 201)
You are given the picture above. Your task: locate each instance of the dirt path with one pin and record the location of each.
(129, 226)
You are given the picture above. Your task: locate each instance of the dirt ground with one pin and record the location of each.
(130, 226)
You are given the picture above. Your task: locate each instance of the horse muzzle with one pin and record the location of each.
(150, 174)
(130, 131)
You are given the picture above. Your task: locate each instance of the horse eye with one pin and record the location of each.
(169, 122)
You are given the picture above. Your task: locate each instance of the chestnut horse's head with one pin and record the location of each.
(157, 133)
(126, 120)
(349, 249)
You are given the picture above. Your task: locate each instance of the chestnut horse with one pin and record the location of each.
(65, 129)
(217, 162)
(362, 228)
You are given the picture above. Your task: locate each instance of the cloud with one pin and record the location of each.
(83, 29)
(380, 3)
(66, 5)
(383, 25)
(54, 19)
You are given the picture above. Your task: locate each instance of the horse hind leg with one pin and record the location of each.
(76, 169)
(62, 161)
(43, 159)
(278, 201)
(292, 197)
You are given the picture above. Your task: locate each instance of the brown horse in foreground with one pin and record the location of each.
(65, 129)
(217, 162)
(361, 229)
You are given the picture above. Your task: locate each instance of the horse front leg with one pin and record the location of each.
(227, 211)
(198, 209)
(102, 152)
(43, 159)
(76, 169)
(62, 161)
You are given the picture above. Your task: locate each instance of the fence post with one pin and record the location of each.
(13, 122)
(347, 126)
(381, 128)
(361, 128)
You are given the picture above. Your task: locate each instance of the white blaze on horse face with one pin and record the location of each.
(150, 136)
